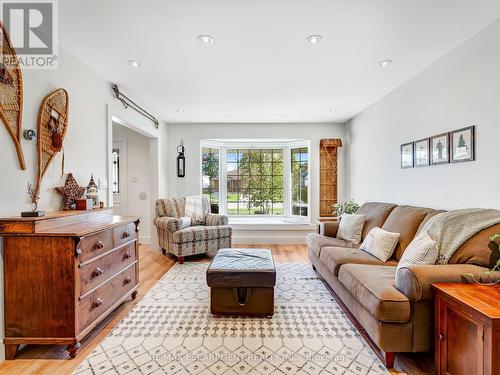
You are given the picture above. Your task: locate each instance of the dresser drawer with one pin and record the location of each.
(124, 234)
(95, 244)
(96, 271)
(96, 303)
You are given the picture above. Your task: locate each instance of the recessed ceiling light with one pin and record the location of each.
(385, 62)
(134, 63)
(180, 111)
(313, 39)
(333, 110)
(283, 117)
(227, 117)
(206, 39)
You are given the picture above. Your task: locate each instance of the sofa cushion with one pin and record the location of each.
(316, 242)
(430, 215)
(405, 220)
(201, 233)
(329, 228)
(475, 250)
(374, 287)
(334, 257)
(376, 214)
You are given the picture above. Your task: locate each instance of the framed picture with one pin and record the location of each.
(407, 155)
(462, 145)
(440, 149)
(421, 157)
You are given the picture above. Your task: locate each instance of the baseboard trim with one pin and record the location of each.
(145, 240)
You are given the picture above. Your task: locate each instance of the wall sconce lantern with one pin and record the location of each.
(181, 161)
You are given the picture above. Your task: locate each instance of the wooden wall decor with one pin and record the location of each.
(51, 128)
(328, 175)
(11, 93)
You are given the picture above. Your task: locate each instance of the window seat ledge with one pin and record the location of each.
(270, 224)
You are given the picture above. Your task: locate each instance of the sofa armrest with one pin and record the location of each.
(171, 224)
(329, 228)
(216, 220)
(415, 281)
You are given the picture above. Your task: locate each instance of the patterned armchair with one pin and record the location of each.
(182, 238)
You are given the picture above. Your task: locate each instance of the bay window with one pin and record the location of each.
(245, 178)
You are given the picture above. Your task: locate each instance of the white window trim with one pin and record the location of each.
(286, 145)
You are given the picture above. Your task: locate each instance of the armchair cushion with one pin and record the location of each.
(415, 281)
(214, 219)
(201, 233)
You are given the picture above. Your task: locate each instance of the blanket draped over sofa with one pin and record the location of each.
(452, 229)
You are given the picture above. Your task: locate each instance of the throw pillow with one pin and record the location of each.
(422, 250)
(380, 243)
(351, 227)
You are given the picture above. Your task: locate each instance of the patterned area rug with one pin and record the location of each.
(171, 331)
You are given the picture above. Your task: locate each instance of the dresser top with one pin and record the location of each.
(63, 223)
(484, 299)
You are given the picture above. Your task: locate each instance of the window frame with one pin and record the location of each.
(286, 145)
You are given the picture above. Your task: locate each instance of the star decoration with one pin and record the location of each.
(70, 191)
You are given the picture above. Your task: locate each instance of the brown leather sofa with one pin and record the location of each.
(396, 311)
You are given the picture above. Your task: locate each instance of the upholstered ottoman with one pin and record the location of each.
(242, 282)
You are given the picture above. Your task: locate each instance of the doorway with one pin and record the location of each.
(131, 177)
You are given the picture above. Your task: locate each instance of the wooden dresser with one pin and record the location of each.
(64, 273)
(467, 329)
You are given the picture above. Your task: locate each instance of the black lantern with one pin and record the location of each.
(181, 162)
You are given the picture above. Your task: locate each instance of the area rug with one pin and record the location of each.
(171, 331)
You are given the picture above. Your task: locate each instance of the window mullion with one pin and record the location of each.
(223, 180)
(287, 181)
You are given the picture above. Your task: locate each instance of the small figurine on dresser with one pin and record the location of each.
(70, 192)
(93, 192)
(34, 197)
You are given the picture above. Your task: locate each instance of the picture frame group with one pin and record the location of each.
(456, 146)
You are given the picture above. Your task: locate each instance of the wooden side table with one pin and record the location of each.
(467, 329)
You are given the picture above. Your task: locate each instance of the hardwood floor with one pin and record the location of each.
(51, 360)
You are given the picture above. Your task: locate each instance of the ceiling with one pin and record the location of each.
(260, 68)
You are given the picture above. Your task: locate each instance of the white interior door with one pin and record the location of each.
(120, 178)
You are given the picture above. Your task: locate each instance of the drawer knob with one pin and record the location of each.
(98, 245)
(96, 303)
(127, 255)
(126, 235)
(97, 272)
(441, 336)
(127, 280)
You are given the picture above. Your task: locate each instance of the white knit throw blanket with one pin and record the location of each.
(452, 229)
(194, 209)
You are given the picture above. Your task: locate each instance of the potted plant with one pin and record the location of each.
(346, 207)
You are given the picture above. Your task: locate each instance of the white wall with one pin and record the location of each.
(91, 106)
(461, 89)
(193, 133)
(138, 178)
